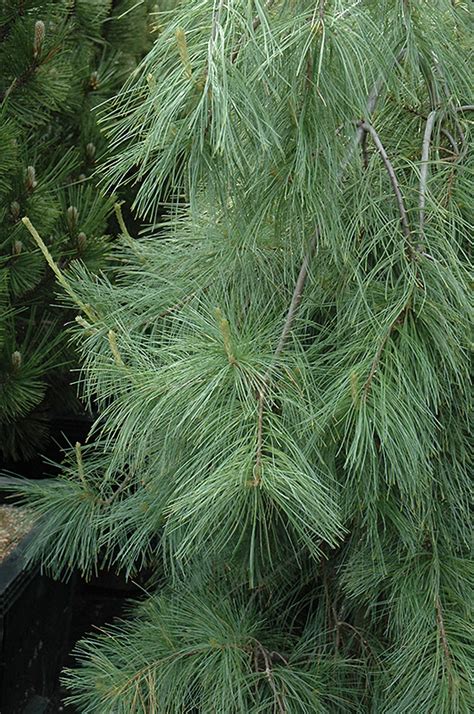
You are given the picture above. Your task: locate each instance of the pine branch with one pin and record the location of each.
(361, 133)
(425, 152)
(322, 4)
(269, 675)
(23, 78)
(393, 178)
(287, 327)
(443, 637)
(216, 21)
(296, 297)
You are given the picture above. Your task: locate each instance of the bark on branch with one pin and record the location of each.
(425, 154)
(393, 178)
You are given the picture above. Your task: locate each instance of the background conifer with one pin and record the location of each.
(58, 60)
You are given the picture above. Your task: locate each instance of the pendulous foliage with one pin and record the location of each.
(281, 368)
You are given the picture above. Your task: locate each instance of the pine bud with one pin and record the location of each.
(151, 81)
(72, 215)
(31, 182)
(183, 51)
(17, 247)
(15, 210)
(82, 177)
(39, 37)
(94, 81)
(16, 360)
(90, 151)
(82, 241)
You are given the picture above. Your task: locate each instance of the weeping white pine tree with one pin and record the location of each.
(281, 368)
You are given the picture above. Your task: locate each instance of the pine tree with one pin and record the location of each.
(58, 60)
(281, 369)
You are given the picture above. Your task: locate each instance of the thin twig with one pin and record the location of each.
(257, 474)
(443, 637)
(108, 501)
(465, 108)
(425, 153)
(451, 140)
(376, 360)
(29, 72)
(216, 21)
(178, 305)
(296, 297)
(322, 4)
(120, 219)
(287, 327)
(361, 133)
(269, 675)
(80, 464)
(370, 108)
(393, 178)
(361, 637)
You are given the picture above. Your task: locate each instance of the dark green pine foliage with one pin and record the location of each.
(58, 60)
(282, 369)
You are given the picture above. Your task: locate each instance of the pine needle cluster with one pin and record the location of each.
(281, 369)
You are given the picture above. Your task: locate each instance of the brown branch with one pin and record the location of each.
(322, 3)
(393, 178)
(442, 635)
(296, 297)
(297, 294)
(29, 72)
(287, 327)
(269, 675)
(425, 153)
(370, 108)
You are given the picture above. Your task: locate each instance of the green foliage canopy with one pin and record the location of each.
(282, 368)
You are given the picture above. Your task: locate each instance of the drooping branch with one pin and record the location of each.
(425, 153)
(268, 669)
(362, 130)
(442, 635)
(393, 178)
(296, 297)
(287, 327)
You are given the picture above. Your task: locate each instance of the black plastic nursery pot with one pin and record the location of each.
(35, 615)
